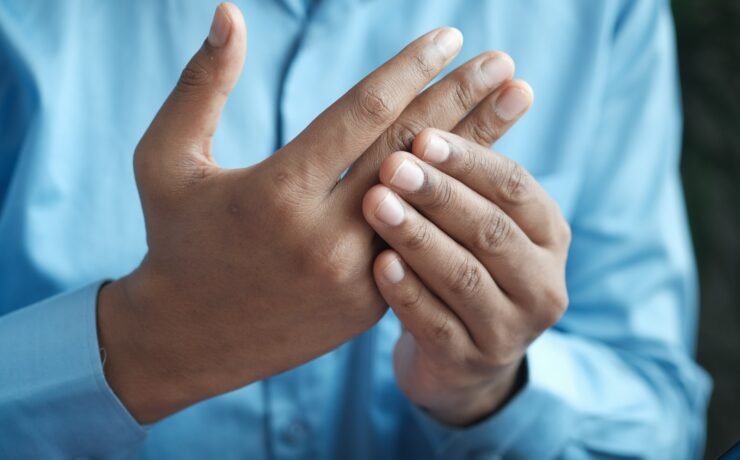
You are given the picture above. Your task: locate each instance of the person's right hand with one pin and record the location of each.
(254, 271)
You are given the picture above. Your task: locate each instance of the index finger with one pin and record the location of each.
(500, 180)
(337, 137)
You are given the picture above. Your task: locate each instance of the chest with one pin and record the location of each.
(82, 90)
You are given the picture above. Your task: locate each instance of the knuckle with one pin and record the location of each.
(463, 93)
(476, 361)
(423, 64)
(401, 135)
(566, 233)
(554, 304)
(411, 299)
(469, 163)
(516, 184)
(195, 75)
(339, 262)
(291, 183)
(374, 103)
(494, 233)
(466, 280)
(495, 357)
(287, 198)
(442, 195)
(419, 239)
(284, 181)
(484, 132)
(559, 233)
(442, 331)
(280, 210)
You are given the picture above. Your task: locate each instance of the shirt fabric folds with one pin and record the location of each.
(81, 80)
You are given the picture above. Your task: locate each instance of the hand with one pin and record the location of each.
(253, 271)
(476, 271)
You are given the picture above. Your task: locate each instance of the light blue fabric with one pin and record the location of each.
(80, 82)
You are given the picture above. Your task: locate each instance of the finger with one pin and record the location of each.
(435, 327)
(441, 106)
(493, 117)
(188, 119)
(337, 137)
(470, 219)
(448, 269)
(500, 180)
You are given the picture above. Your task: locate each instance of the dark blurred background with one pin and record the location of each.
(709, 52)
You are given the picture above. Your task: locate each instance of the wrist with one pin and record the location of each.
(470, 406)
(136, 367)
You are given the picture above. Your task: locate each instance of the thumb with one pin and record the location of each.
(188, 119)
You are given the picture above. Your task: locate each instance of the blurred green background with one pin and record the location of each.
(709, 53)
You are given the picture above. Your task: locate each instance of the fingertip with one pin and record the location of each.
(221, 26)
(496, 68)
(420, 141)
(382, 207)
(449, 40)
(511, 62)
(227, 28)
(372, 199)
(236, 16)
(515, 100)
(456, 31)
(524, 86)
(389, 268)
(529, 89)
(430, 145)
(389, 166)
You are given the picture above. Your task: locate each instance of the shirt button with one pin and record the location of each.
(297, 432)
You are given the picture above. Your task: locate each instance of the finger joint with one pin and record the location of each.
(464, 95)
(442, 329)
(470, 162)
(494, 233)
(195, 75)
(401, 135)
(420, 238)
(412, 298)
(483, 132)
(442, 195)
(424, 65)
(466, 280)
(374, 103)
(516, 184)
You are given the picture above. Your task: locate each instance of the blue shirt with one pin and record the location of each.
(81, 80)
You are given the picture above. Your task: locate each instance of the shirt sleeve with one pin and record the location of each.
(616, 377)
(54, 399)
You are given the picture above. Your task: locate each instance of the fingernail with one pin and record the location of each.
(408, 176)
(512, 103)
(437, 149)
(496, 70)
(393, 272)
(449, 40)
(220, 27)
(390, 211)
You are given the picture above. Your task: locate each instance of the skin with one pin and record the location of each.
(476, 271)
(256, 270)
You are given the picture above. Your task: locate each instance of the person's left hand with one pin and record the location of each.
(476, 269)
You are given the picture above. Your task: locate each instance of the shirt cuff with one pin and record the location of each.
(55, 401)
(535, 423)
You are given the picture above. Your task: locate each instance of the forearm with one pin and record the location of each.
(584, 398)
(145, 383)
(50, 373)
